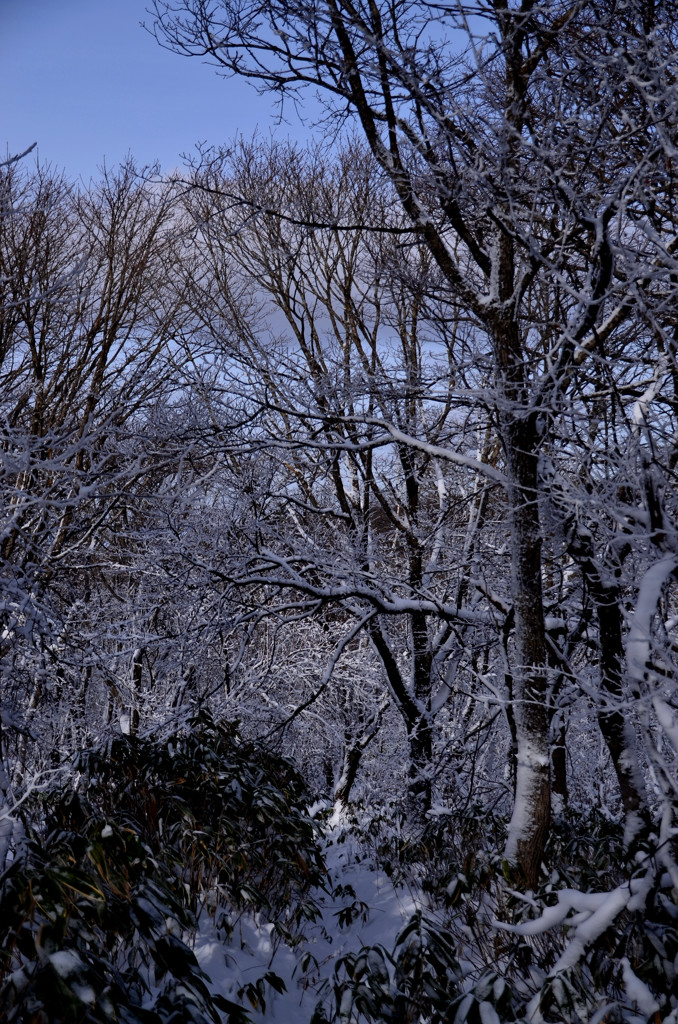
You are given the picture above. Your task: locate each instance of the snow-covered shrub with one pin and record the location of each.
(377, 834)
(597, 936)
(602, 928)
(459, 851)
(97, 906)
(229, 813)
(404, 984)
(96, 940)
(420, 979)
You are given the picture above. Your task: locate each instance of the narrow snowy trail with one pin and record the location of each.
(361, 908)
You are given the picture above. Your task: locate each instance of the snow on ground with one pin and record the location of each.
(254, 948)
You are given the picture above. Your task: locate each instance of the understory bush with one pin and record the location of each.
(596, 940)
(101, 900)
(98, 905)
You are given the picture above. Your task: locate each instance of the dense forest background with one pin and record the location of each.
(339, 509)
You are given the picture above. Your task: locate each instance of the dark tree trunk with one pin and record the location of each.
(528, 830)
(617, 732)
(420, 738)
(417, 721)
(354, 748)
(559, 767)
(352, 757)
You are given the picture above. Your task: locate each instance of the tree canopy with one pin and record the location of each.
(371, 446)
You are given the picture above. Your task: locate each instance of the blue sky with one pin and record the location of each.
(84, 81)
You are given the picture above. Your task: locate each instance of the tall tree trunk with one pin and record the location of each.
(6, 817)
(559, 767)
(528, 829)
(420, 737)
(617, 732)
(415, 711)
(354, 748)
(420, 731)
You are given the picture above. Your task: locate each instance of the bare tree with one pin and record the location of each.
(88, 317)
(531, 149)
(365, 523)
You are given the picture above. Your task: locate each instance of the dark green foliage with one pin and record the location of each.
(588, 853)
(97, 905)
(256, 991)
(455, 966)
(228, 812)
(353, 909)
(419, 978)
(422, 979)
